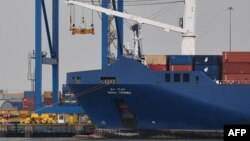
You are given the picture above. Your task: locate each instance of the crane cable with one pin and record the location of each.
(146, 2)
(73, 15)
(83, 25)
(161, 11)
(92, 16)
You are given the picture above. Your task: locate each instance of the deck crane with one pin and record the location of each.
(188, 30)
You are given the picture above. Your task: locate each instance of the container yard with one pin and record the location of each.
(18, 117)
(133, 94)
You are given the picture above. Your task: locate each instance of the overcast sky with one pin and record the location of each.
(83, 52)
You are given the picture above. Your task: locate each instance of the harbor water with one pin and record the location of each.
(80, 139)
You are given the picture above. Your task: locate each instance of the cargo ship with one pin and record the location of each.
(131, 95)
(178, 92)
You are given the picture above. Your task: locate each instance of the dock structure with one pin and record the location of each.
(41, 130)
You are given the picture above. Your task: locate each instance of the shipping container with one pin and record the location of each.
(29, 100)
(47, 94)
(236, 68)
(29, 94)
(236, 57)
(180, 60)
(17, 105)
(158, 67)
(28, 103)
(47, 104)
(208, 69)
(180, 67)
(237, 78)
(48, 100)
(207, 60)
(29, 108)
(156, 59)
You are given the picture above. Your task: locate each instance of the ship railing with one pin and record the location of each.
(232, 82)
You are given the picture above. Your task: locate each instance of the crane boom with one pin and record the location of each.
(138, 19)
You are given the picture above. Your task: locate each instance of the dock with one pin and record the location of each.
(42, 130)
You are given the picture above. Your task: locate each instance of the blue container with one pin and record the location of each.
(19, 105)
(207, 60)
(208, 69)
(29, 94)
(180, 60)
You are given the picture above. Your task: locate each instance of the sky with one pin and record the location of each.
(77, 53)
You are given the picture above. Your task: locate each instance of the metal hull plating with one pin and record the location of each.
(152, 102)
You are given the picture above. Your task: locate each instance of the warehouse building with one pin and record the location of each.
(6, 105)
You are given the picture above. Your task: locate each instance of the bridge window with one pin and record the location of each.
(167, 77)
(186, 77)
(78, 80)
(197, 79)
(177, 77)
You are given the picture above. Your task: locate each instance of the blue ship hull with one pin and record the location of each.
(129, 95)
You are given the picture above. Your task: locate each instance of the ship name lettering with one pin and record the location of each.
(125, 92)
(112, 92)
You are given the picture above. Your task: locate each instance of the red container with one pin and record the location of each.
(180, 67)
(158, 67)
(236, 68)
(236, 57)
(28, 104)
(28, 100)
(48, 101)
(237, 78)
(29, 108)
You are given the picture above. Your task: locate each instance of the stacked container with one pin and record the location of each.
(208, 64)
(28, 102)
(156, 62)
(236, 67)
(180, 63)
(47, 98)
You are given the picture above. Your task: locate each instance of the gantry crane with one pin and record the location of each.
(188, 30)
(53, 44)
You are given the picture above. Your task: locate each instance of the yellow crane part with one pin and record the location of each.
(83, 31)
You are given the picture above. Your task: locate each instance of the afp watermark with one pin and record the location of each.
(237, 132)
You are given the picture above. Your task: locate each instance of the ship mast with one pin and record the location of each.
(189, 37)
